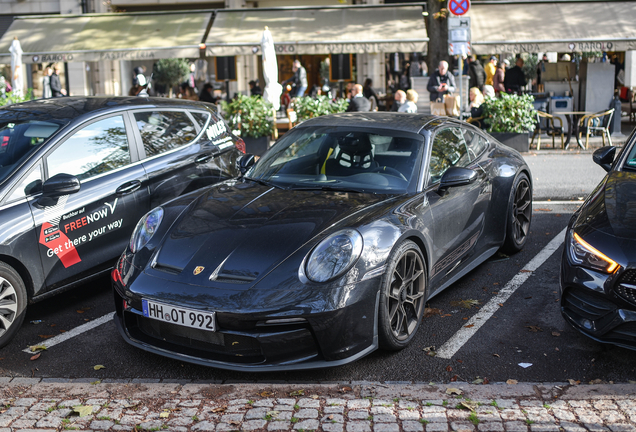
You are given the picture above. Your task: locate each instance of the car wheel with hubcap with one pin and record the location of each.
(13, 301)
(402, 297)
(519, 215)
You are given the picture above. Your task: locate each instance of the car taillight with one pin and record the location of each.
(240, 144)
(5, 142)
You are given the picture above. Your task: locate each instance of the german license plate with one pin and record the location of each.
(178, 315)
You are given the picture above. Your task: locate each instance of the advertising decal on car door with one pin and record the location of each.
(58, 232)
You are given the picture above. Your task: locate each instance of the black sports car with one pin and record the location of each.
(327, 248)
(77, 173)
(598, 268)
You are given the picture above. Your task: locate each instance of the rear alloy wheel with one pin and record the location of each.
(13, 300)
(519, 215)
(402, 298)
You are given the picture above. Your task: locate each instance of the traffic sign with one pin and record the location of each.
(459, 48)
(458, 7)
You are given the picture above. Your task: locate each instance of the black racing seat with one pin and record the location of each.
(354, 156)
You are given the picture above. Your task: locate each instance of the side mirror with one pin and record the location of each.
(60, 184)
(246, 162)
(456, 176)
(604, 157)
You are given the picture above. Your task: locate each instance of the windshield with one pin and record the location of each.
(19, 138)
(342, 158)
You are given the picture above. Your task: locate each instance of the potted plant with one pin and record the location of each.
(509, 119)
(308, 107)
(252, 117)
(170, 72)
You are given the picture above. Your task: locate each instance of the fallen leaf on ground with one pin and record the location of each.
(37, 348)
(265, 394)
(454, 378)
(525, 271)
(300, 392)
(478, 381)
(83, 410)
(469, 404)
(496, 355)
(596, 381)
(429, 312)
(273, 413)
(511, 382)
(445, 315)
(449, 368)
(314, 397)
(219, 409)
(469, 325)
(534, 329)
(37, 356)
(79, 311)
(164, 414)
(466, 304)
(500, 304)
(486, 381)
(543, 209)
(46, 336)
(453, 390)
(345, 389)
(330, 417)
(573, 382)
(557, 334)
(98, 367)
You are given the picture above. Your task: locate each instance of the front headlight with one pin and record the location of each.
(584, 254)
(145, 229)
(334, 255)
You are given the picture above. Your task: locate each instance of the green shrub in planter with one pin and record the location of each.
(12, 98)
(251, 114)
(509, 113)
(308, 107)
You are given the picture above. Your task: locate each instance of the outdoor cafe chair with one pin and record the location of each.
(597, 122)
(550, 128)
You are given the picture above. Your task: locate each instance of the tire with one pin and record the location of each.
(402, 297)
(519, 215)
(13, 301)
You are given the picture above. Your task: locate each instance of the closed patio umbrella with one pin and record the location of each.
(16, 67)
(273, 89)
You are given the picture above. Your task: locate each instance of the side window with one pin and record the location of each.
(449, 149)
(475, 142)
(96, 149)
(162, 131)
(30, 184)
(201, 118)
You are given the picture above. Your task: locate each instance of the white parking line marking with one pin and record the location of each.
(75, 332)
(557, 202)
(458, 340)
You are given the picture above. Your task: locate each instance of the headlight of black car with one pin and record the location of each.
(145, 229)
(334, 255)
(584, 254)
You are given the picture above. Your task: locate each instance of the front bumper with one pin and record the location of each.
(324, 328)
(592, 303)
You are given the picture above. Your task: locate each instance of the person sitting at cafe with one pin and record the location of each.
(515, 78)
(369, 92)
(400, 99)
(358, 102)
(476, 107)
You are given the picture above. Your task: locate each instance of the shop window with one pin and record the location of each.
(96, 149)
(162, 131)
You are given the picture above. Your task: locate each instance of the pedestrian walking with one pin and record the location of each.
(299, 79)
(515, 78)
(441, 82)
(490, 70)
(46, 83)
(476, 73)
(55, 84)
(498, 79)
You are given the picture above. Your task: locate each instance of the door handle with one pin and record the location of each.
(128, 187)
(203, 158)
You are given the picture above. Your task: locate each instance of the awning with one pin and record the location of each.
(561, 26)
(320, 30)
(95, 37)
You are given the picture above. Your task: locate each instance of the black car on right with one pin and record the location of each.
(598, 268)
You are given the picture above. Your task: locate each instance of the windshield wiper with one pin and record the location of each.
(264, 182)
(323, 187)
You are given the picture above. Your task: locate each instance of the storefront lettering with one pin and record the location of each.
(594, 46)
(285, 49)
(131, 55)
(518, 48)
(52, 58)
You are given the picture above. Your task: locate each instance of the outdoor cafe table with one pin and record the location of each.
(573, 125)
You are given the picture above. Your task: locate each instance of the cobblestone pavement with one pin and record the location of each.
(56, 405)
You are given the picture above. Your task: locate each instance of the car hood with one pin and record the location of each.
(611, 209)
(237, 233)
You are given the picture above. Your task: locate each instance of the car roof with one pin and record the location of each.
(379, 120)
(75, 106)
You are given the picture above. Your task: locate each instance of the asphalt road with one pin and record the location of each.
(527, 328)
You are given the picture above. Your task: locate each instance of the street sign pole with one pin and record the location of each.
(461, 85)
(459, 44)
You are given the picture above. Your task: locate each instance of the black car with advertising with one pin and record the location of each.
(598, 268)
(327, 248)
(77, 173)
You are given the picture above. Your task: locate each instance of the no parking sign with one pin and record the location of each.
(458, 7)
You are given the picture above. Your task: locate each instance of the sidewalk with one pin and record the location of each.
(55, 405)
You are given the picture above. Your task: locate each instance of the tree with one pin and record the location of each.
(437, 30)
(171, 72)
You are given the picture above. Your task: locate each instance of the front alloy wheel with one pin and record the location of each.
(12, 303)
(403, 297)
(519, 215)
